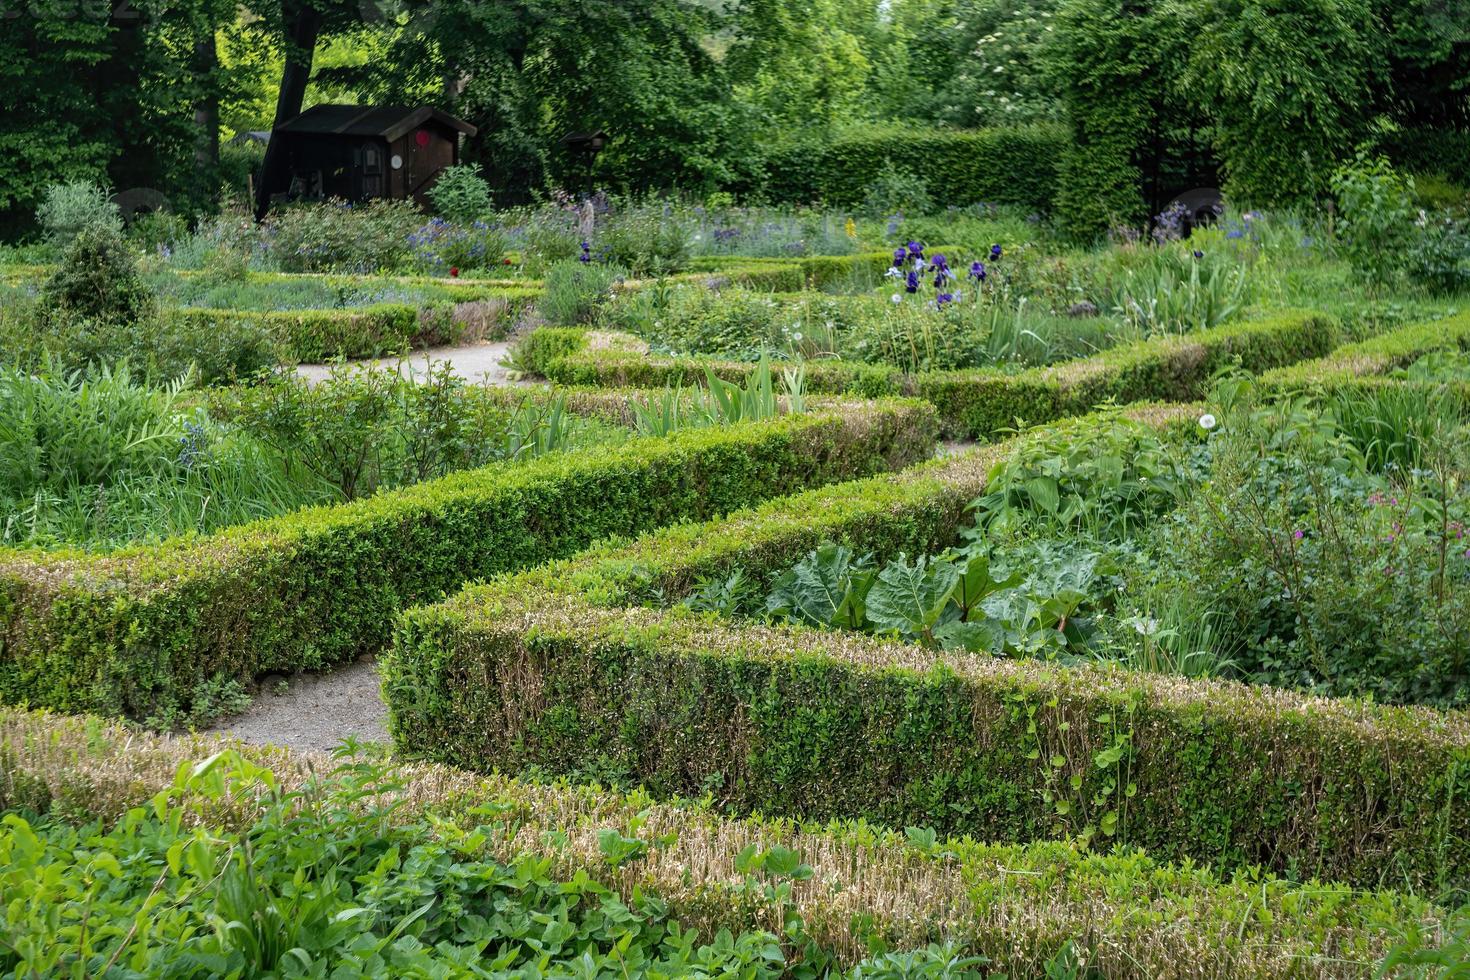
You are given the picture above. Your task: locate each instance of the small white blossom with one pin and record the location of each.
(1207, 422)
(898, 297)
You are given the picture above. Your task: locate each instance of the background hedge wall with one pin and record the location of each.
(1010, 165)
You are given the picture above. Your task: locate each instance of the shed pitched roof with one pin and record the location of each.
(387, 121)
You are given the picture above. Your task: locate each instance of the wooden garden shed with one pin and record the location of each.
(361, 152)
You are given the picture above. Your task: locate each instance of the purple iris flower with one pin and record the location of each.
(916, 250)
(943, 298)
(977, 271)
(942, 273)
(899, 255)
(994, 252)
(586, 255)
(912, 283)
(1198, 254)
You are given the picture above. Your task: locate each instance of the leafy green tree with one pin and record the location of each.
(1289, 86)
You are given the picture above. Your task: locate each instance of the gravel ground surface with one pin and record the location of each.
(316, 711)
(476, 362)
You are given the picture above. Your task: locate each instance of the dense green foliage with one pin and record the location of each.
(1134, 103)
(143, 634)
(329, 878)
(985, 402)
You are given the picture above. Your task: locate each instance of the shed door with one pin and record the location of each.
(372, 170)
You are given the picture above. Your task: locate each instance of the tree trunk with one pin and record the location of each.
(205, 65)
(303, 24)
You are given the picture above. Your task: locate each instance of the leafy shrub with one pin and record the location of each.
(1106, 475)
(69, 209)
(575, 291)
(361, 430)
(1377, 212)
(645, 240)
(895, 191)
(461, 195)
(441, 248)
(1336, 542)
(336, 236)
(1438, 255)
(959, 600)
(99, 280)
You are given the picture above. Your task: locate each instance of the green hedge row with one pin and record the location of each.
(1127, 915)
(1014, 165)
(560, 668)
(138, 632)
(370, 331)
(984, 402)
(1371, 360)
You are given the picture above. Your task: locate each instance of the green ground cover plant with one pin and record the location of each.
(145, 631)
(843, 893)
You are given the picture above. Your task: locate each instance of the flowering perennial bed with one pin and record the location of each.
(565, 668)
(984, 402)
(138, 632)
(1017, 905)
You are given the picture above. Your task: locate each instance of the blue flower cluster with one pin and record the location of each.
(193, 445)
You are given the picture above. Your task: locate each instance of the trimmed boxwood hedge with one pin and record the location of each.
(137, 632)
(353, 332)
(560, 669)
(982, 403)
(1126, 914)
(1369, 361)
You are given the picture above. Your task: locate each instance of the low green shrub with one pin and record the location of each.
(575, 291)
(138, 632)
(337, 236)
(1370, 362)
(1033, 910)
(460, 194)
(69, 209)
(98, 279)
(558, 668)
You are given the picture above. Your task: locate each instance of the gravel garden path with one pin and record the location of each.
(473, 362)
(314, 711)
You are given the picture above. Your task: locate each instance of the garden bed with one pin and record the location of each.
(985, 402)
(144, 632)
(566, 668)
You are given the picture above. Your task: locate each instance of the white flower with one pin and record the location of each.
(1144, 625)
(1207, 421)
(898, 297)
